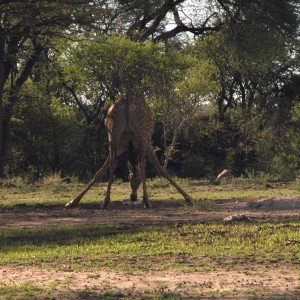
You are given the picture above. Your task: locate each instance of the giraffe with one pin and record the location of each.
(129, 124)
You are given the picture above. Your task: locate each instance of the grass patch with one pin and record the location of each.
(201, 204)
(183, 246)
(29, 290)
(54, 191)
(26, 290)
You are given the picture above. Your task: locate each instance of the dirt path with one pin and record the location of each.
(162, 212)
(266, 283)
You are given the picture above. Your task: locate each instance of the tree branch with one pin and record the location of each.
(38, 48)
(183, 28)
(158, 16)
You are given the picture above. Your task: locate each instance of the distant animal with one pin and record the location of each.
(226, 173)
(129, 124)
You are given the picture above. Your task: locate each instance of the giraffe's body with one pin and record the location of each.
(129, 125)
(129, 119)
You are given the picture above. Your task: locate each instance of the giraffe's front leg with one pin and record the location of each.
(133, 195)
(153, 159)
(146, 201)
(96, 178)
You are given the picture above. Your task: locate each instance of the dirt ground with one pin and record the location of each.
(168, 212)
(269, 282)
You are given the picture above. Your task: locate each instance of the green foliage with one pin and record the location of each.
(117, 63)
(46, 133)
(27, 31)
(227, 99)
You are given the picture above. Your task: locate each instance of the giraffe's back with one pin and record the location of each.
(131, 120)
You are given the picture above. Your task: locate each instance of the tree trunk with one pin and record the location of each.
(2, 143)
(170, 149)
(2, 82)
(5, 121)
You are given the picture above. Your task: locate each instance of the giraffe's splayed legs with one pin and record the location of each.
(129, 124)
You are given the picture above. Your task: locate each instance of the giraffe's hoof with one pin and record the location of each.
(104, 206)
(70, 204)
(189, 201)
(147, 204)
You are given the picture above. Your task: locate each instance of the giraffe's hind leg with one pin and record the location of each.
(96, 178)
(153, 159)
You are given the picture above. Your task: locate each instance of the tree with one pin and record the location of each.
(51, 134)
(244, 45)
(148, 19)
(185, 94)
(46, 134)
(256, 41)
(26, 30)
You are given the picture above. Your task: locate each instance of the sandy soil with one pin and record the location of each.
(269, 282)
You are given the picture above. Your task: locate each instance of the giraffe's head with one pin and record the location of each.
(135, 178)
